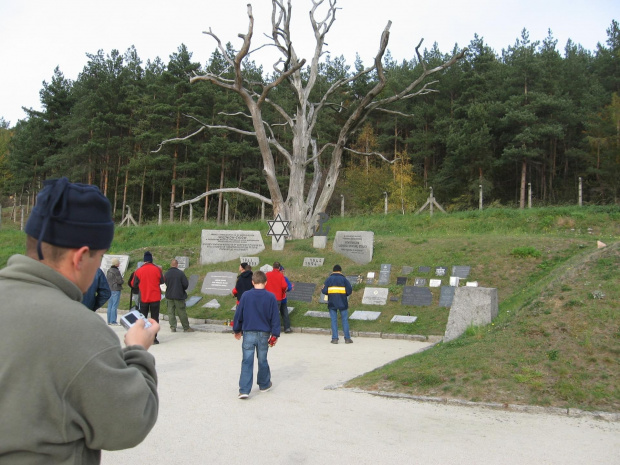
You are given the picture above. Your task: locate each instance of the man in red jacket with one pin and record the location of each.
(277, 285)
(148, 278)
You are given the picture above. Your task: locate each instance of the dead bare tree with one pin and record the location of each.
(306, 200)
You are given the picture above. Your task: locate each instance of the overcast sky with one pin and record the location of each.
(38, 35)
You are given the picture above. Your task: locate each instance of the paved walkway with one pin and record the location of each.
(299, 421)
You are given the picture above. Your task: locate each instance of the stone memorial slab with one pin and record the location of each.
(193, 300)
(323, 298)
(317, 314)
(364, 315)
(461, 271)
(219, 283)
(302, 292)
(407, 270)
(454, 281)
(424, 269)
(418, 296)
(212, 304)
(403, 319)
(370, 277)
(277, 245)
(434, 283)
(471, 284)
(384, 274)
(375, 296)
(183, 262)
(393, 299)
(354, 279)
(440, 271)
(218, 245)
(106, 263)
(290, 309)
(446, 295)
(266, 268)
(252, 261)
(472, 306)
(193, 280)
(319, 242)
(313, 262)
(355, 245)
(401, 281)
(420, 282)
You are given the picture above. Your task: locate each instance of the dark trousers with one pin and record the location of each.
(153, 307)
(286, 321)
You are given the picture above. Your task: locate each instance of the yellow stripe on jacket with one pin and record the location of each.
(336, 290)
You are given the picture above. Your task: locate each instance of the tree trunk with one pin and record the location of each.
(523, 178)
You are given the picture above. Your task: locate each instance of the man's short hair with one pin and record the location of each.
(71, 215)
(337, 268)
(276, 265)
(259, 277)
(244, 265)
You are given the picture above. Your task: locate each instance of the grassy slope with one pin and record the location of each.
(552, 344)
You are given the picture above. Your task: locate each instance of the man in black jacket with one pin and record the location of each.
(176, 286)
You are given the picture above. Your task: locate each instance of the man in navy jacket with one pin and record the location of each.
(337, 288)
(257, 318)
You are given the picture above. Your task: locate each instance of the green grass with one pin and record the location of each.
(555, 342)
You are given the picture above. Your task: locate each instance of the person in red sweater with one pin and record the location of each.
(277, 285)
(148, 278)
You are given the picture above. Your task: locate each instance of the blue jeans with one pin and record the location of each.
(115, 298)
(344, 315)
(254, 340)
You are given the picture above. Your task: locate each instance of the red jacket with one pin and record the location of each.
(148, 278)
(276, 284)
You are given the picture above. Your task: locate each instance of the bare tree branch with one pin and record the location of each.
(177, 139)
(227, 189)
(370, 154)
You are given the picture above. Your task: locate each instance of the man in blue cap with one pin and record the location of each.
(67, 388)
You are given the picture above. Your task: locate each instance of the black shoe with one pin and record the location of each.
(155, 341)
(288, 330)
(348, 341)
(334, 341)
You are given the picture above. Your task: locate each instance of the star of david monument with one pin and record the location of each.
(278, 230)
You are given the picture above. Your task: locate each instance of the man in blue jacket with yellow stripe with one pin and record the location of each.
(337, 288)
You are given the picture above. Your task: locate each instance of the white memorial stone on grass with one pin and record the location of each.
(364, 315)
(471, 284)
(219, 283)
(434, 283)
(276, 244)
(266, 268)
(183, 262)
(222, 245)
(375, 296)
(355, 245)
(252, 261)
(454, 281)
(106, 263)
(313, 262)
(212, 304)
(403, 319)
(317, 314)
(319, 242)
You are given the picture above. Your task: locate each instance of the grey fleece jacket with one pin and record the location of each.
(67, 388)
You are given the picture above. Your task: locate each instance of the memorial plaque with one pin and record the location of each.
(313, 262)
(354, 279)
(440, 271)
(252, 261)
(407, 270)
(471, 284)
(193, 300)
(370, 277)
(461, 271)
(424, 269)
(106, 263)
(384, 274)
(446, 296)
(219, 283)
(454, 281)
(183, 262)
(401, 281)
(418, 296)
(364, 315)
(302, 292)
(193, 280)
(355, 245)
(221, 245)
(266, 268)
(393, 299)
(375, 296)
(420, 282)
(403, 319)
(212, 304)
(317, 314)
(434, 283)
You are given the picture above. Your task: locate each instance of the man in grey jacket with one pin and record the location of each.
(176, 287)
(67, 388)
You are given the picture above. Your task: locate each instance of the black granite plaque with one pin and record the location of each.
(418, 296)
(193, 280)
(446, 296)
(384, 274)
(440, 271)
(424, 269)
(461, 271)
(193, 300)
(301, 292)
(401, 281)
(354, 279)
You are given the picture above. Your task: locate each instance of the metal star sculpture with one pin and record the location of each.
(278, 228)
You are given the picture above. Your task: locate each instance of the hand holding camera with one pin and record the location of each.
(272, 340)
